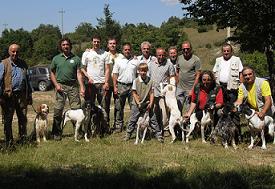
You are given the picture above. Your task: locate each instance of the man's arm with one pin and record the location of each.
(107, 77)
(55, 83)
(115, 76)
(197, 76)
(266, 107)
(80, 81)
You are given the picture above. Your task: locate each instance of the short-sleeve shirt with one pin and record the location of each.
(65, 68)
(95, 63)
(187, 71)
(143, 88)
(251, 96)
(112, 59)
(160, 73)
(126, 70)
(203, 98)
(149, 61)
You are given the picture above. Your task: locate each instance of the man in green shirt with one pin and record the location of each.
(67, 78)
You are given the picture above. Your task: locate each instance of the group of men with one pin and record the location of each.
(100, 75)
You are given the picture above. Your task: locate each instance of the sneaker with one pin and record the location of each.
(160, 139)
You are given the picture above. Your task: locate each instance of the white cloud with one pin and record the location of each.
(170, 2)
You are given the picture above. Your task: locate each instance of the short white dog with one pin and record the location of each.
(257, 125)
(78, 116)
(41, 122)
(206, 120)
(169, 91)
(142, 124)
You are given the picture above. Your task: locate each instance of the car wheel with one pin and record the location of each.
(42, 86)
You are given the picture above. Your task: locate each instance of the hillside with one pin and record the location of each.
(204, 44)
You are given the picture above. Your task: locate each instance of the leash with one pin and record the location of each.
(34, 109)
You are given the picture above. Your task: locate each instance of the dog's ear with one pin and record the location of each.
(48, 108)
(39, 109)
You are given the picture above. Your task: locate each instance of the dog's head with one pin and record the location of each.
(245, 109)
(43, 109)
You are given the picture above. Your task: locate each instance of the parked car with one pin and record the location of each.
(40, 77)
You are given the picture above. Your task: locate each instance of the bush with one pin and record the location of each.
(208, 46)
(257, 61)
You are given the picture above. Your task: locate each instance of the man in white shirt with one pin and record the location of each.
(124, 73)
(97, 71)
(146, 56)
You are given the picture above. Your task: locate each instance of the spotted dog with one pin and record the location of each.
(41, 122)
(142, 125)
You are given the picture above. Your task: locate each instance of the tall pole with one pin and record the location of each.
(62, 12)
(5, 26)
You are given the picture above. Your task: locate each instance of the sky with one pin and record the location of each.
(29, 14)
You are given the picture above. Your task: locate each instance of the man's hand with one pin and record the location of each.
(260, 115)
(58, 88)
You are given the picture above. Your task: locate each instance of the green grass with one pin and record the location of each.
(111, 163)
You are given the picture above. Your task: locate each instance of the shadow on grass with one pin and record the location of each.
(133, 177)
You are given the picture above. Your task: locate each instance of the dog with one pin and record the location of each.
(226, 129)
(142, 124)
(77, 116)
(98, 121)
(41, 122)
(169, 92)
(206, 120)
(257, 125)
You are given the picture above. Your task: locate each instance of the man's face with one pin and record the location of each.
(248, 76)
(206, 80)
(161, 55)
(65, 47)
(186, 50)
(145, 50)
(14, 52)
(226, 52)
(112, 45)
(173, 54)
(126, 51)
(96, 43)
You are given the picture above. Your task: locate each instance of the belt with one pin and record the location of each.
(124, 83)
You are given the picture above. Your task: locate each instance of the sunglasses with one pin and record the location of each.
(204, 79)
(186, 49)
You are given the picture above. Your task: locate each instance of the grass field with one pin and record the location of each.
(111, 163)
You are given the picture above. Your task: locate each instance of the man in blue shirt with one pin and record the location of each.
(16, 93)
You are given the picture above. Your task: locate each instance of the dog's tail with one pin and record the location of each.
(63, 118)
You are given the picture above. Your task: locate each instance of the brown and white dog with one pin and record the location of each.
(41, 122)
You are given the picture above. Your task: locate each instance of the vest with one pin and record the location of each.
(140, 88)
(259, 97)
(7, 84)
(234, 80)
(211, 96)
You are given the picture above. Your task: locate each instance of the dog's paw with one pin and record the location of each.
(250, 146)
(76, 140)
(263, 148)
(136, 143)
(235, 147)
(203, 141)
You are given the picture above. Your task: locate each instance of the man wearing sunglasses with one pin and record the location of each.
(188, 72)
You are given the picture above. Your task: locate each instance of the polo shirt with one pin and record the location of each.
(65, 68)
(143, 88)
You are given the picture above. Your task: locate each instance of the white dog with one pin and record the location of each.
(169, 91)
(142, 124)
(78, 116)
(257, 125)
(206, 120)
(41, 122)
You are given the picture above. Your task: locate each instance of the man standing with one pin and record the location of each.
(67, 78)
(97, 71)
(113, 57)
(161, 72)
(188, 73)
(17, 93)
(227, 71)
(124, 73)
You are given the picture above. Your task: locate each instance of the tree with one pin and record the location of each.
(43, 30)
(253, 20)
(20, 37)
(107, 27)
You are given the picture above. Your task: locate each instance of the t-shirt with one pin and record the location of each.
(251, 96)
(187, 71)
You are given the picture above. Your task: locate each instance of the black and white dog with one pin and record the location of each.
(226, 129)
(257, 125)
(142, 125)
(203, 119)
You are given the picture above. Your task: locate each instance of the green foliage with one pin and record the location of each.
(208, 45)
(256, 60)
(253, 19)
(21, 37)
(48, 30)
